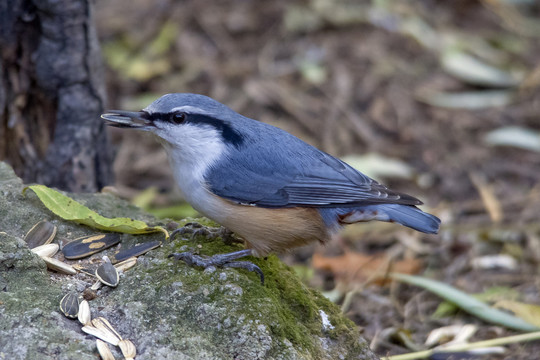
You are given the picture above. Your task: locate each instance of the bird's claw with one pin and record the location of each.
(220, 260)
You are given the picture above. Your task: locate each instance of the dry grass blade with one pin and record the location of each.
(491, 203)
(467, 302)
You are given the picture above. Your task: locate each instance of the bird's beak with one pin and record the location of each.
(128, 119)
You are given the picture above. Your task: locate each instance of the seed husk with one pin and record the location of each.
(85, 270)
(84, 315)
(126, 264)
(105, 325)
(104, 350)
(40, 234)
(104, 335)
(128, 349)
(88, 245)
(59, 266)
(107, 274)
(96, 286)
(46, 250)
(69, 305)
(136, 250)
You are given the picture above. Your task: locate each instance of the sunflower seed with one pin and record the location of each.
(40, 234)
(88, 245)
(69, 305)
(136, 250)
(107, 273)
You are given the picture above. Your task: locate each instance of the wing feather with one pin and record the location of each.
(292, 173)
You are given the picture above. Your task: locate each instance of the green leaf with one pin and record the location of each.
(69, 209)
(467, 302)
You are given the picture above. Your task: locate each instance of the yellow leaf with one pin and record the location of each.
(69, 209)
(528, 312)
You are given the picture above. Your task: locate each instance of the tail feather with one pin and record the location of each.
(406, 215)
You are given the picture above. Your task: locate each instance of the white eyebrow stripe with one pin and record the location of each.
(190, 109)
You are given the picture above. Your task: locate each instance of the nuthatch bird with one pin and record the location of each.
(267, 186)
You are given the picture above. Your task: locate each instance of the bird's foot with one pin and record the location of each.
(195, 229)
(221, 260)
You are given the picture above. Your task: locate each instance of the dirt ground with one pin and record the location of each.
(421, 83)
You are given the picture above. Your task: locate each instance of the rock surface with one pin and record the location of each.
(167, 309)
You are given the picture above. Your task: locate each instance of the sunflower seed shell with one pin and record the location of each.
(59, 266)
(104, 324)
(136, 250)
(69, 305)
(128, 349)
(84, 315)
(107, 274)
(104, 350)
(88, 245)
(126, 264)
(40, 234)
(46, 250)
(104, 335)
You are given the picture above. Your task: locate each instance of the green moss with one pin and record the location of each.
(288, 305)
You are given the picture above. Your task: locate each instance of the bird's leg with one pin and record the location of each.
(221, 260)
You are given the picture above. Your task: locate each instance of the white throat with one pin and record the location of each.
(191, 154)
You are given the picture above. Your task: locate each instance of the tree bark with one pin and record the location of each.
(51, 94)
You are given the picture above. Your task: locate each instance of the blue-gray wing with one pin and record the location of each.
(296, 174)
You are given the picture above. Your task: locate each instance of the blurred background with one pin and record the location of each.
(439, 99)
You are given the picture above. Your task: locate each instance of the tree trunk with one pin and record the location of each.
(51, 94)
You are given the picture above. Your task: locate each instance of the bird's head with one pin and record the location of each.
(183, 121)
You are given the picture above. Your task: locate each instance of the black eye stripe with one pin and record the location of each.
(226, 130)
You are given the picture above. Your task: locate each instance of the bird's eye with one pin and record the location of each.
(178, 118)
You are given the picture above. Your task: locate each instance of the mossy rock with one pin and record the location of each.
(168, 309)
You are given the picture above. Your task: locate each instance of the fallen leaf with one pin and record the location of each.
(527, 312)
(489, 199)
(358, 267)
(69, 209)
